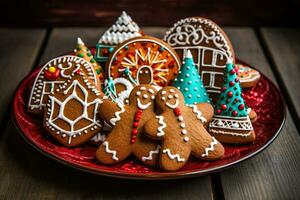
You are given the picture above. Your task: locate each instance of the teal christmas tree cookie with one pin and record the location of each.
(189, 82)
(231, 102)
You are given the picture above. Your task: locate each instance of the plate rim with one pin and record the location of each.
(150, 176)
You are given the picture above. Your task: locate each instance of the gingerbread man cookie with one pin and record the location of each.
(248, 77)
(126, 135)
(181, 130)
(54, 75)
(71, 112)
(210, 48)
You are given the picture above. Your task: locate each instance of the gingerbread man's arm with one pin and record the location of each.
(154, 128)
(203, 111)
(110, 111)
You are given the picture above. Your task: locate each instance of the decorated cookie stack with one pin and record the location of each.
(160, 101)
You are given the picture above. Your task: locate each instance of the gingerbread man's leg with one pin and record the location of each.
(210, 149)
(174, 153)
(114, 149)
(147, 150)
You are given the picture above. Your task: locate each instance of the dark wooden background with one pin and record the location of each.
(48, 13)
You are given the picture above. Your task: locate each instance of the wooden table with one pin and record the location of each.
(273, 174)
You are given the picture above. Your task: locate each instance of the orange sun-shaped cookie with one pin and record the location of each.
(148, 61)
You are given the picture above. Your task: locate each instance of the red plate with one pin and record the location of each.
(264, 98)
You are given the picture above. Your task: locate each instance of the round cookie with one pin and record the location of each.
(210, 48)
(71, 112)
(248, 76)
(126, 135)
(181, 130)
(53, 76)
(144, 60)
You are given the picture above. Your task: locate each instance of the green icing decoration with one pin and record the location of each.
(92, 60)
(80, 55)
(98, 71)
(110, 89)
(89, 54)
(78, 48)
(127, 72)
(231, 102)
(189, 82)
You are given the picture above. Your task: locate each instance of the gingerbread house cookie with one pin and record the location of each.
(123, 29)
(53, 75)
(210, 48)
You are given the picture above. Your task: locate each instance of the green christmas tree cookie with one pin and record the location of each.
(231, 102)
(189, 82)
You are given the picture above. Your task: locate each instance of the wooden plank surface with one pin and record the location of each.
(19, 48)
(27, 174)
(284, 47)
(274, 173)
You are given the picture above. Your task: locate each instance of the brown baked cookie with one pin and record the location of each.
(54, 75)
(71, 112)
(209, 46)
(248, 76)
(181, 130)
(252, 115)
(144, 60)
(126, 136)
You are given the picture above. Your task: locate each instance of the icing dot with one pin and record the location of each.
(163, 92)
(178, 88)
(198, 96)
(188, 67)
(181, 80)
(140, 72)
(146, 72)
(163, 98)
(145, 96)
(138, 93)
(182, 125)
(143, 88)
(152, 97)
(184, 132)
(170, 97)
(180, 118)
(175, 79)
(176, 96)
(186, 89)
(190, 96)
(187, 75)
(190, 82)
(172, 91)
(151, 91)
(186, 139)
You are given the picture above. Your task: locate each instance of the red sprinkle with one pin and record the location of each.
(135, 124)
(231, 83)
(229, 94)
(223, 107)
(232, 71)
(241, 106)
(219, 111)
(234, 113)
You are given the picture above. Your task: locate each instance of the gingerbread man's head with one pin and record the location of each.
(142, 96)
(169, 98)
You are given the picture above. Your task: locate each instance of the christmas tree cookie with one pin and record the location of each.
(83, 52)
(123, 29)
(231, 123)
(189, 82)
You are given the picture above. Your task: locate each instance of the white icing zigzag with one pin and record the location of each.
(199, 114)
(107, 150)
(211, 147)
(117, 117)
(150, 156)
(160, 131)
(229, 133)
(173, 156)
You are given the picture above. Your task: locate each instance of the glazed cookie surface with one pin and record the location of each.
(144, 60)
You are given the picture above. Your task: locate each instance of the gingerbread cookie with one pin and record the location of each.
(54, 75)
(83, 52)
(71, 111)
(123, 29)
(126, 136)
(181, 130)
(231, 122)
(144, 60)
(189, 82)
(248, 77)
(210, 48)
